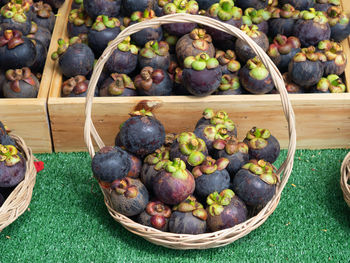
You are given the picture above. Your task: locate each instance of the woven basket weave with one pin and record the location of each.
(345, 178)
(207, 240)
(18, 201)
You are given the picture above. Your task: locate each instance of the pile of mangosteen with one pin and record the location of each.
(25, 34)
(197, 181)
(302, 37)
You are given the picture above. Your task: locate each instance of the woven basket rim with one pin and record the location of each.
(206, 240)
(19, 199)
(345, 178)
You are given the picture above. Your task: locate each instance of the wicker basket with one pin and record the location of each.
(207, 240)
(345, 178)
(18, 201)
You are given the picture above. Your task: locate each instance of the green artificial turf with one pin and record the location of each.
(68, 222)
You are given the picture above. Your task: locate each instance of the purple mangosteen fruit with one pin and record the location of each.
(243, 50)
(145, 35)
(171, 40)
(336, 58)
(229, 85)
(291, 87)
(156, 215)
(324, 5)
(5, 139)
(282, 20)
(180, 6)
(76, 4)
(78, 22)
(40, 33)
(129, 196)
(331, 84)
(262, 145)
(118, 85)
(173, 184)
(255, 78)
(123, 59)
(75, 87)
(205, 4)
(40, 59)
(55, 3)
(188, 217)
(179, 87)
(225, 210)
(95, 8)
(20, 83)
(258, 4)
(258, 17)
(153, 82)
(142, 133)
(227, 61)
(155, 55)
(255, 183)
(201, 75)
(298, 4)
(43, 15)
(339, 23)
(74, 57)
(159, 5)
(16, 51)
(14, 16)
(130, 6)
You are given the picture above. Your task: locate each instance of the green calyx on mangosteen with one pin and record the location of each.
(118, 85)
(263, 170)
(200, 62)
(78, 17)
(210, 166)
(14, 11)
(336, 59)
(225, 10)
(181, 6)
(190, 204)
(216, 202)
(9, 155)
(331, 84)
(139, 16)
(220, 117)
(339, 23)
(155, 54)
(230, 85)
(227, 61)
(257, 17)
(126, 46)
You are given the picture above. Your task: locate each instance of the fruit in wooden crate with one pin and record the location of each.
(156, 215)
(257, 17)
(75, 87)
(40, 33)
(227, 61)
(15, 17)
(324, 5)
(118, 85)
(336, 58)
(339, 23)
(229, 85)
(331, 84)
(298, 4)
(40, 60)
(188, 217)
(95, 8)
(258, 4)
(56, 3)
(155, 55)
(255, 183)
(291, 87)
(78, 22)
(43, 15)
(282, 20)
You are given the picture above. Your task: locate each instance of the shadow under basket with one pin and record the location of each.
(345, 178)
(206, 240)
(18, 201)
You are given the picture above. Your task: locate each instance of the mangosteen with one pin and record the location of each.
(12, 166)
(312, 27)
(255, 183)
(227, 61)
(152, 164)
(2, 200)
(233, 150)
(74, 57)
(336, 58)
(78, 22)
(43, 15)
(95, 8)
(291, 87)
(145, 35)
(123, 59)
(282, 20)
(153, 82)
(179, 87)
(55, 3)
(155, 55)
(205, 4)
(129, 196)
(118, 85)
(339, 23)
(202, 74)
(243, 50)
(262, 145)
(225, 210)
(5, 139)
(142, 133)
(40, 58)
(331, 84)
(130, 6)
(173, 184)
(189, 148)
(75, 87)
(258, 17)
(16, 51)
(226, 12)
(258, 4)
(76, 4)
(194, 43)
(13, 16)
(180, 6)
(159, 5)
(324, 5)
(211, 176)
(188, 217)
(155, 215)
(306, 68)
(40, 33)
(298, 4)
(285, 49)
(20, 83)
(255, 78)
(229, 85)
(102, 32)
(171, 40)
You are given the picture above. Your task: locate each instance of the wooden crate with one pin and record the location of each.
(323, 120)
(28, 118)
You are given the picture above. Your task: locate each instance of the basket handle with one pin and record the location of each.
(90, 129)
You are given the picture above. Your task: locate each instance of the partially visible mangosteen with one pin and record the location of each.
(291, 87)
(95, 8)
(159, 5)
(40, 33)
(40, 58)
(171, 40)
(76, 4)
(324, 5)
(298, 4)
(156, 215)
(227, 61)
(130, 6)
(258, 17)
(75, 87)
(118, 85)
(78, 22)
(258, 4)
(43, 15)
(331, 84)
(336, 58)
(229, 85)
(282, 20)
(179, 87)
(13, 16)
(339, 23)
(55, 3)
(155, 55)
(205, 4)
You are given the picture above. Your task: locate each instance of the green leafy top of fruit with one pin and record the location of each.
(9, 155)
(181, 6)
(336, 15)
(104, 22)
(332, 83)
(309, 53)
(210, 166)
(257, 69)
(228, 59)
(177, 168)
(253, 16)
(287, 11)
(201, 62)
(78, 17)
(257, 138)
(231, 145)
(160, 155)
(139, 16)
(192, 146)
(225, 10)
(154, 48)
(125, 46)
(229, 82)
(125, 187)
(317, 16)
(262, 169)
(14, 11)
(190, 204)
(217, 202)
(119, 84)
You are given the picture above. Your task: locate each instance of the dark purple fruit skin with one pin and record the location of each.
(48, 23)
(315, 90)
(171, 190)
(94, 8)
(282, 26)
(237, 160)
(43, 35)
(147, 34)
(201, 83)
(103, 90)
(77, 60)
(164, 88)
(230, 92)
(19, 57)
(2, 81)
(130, 6)
(142, 135)
(257, 4)
(310, 33)
(186, 223)
(270, 153)
(298, 4)
(74, 30)
(179, 29)
(322, 7)
(2, 200)
(179, 89)
(121, 62)
(147, 174)
(251, 189)
(111, 165)
(158, 62)
(331, 68)
(205, 4)
(131, 206)
(220, 36)
(253, 85)
(12, 175)
(234, 213)
(209, 183)
(340, 32)
(243, 50)
(286, 58)
(27, 90)
(8, 23)
(145, 219)
(75, 5)
(98, 40)
(307, 73)
(55, 3)
(40, 58)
